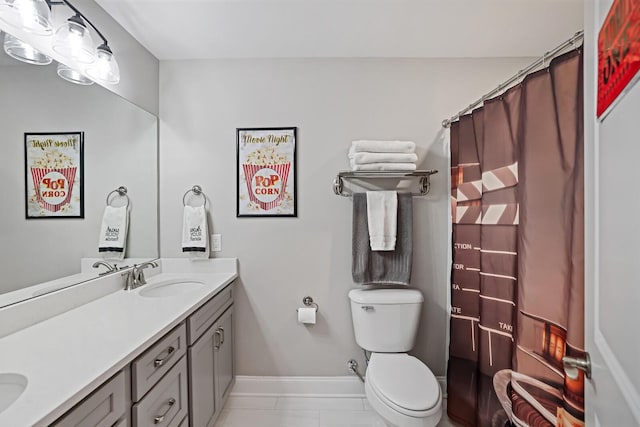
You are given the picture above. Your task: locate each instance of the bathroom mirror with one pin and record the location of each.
(120, 149)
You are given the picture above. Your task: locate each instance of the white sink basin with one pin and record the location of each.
(11, 387)
(169, 288)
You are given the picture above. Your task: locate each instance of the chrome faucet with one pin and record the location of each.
(134, 278)
(110, 268)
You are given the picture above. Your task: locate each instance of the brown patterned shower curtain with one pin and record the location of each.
(517, 303)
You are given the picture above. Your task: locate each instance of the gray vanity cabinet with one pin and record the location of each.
(182, 380)
(210, 360)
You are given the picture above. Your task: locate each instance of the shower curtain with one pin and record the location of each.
(517, 303)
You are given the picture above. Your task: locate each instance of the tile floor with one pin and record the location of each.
(302, 412)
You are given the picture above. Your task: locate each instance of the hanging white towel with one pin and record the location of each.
(363, 157)
(382, 219)
(195, 233)
(113, 233)
(405, 167)
(384, 146)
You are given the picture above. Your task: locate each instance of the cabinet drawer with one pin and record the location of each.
(149, 367)
(206, 315)
(166, 404)
(102, 408)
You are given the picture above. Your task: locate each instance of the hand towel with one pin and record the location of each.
(382, 210)
(195, 233)
(403, 167)
(364, 157)
(382, 267)
(113, 233)
(384, 146)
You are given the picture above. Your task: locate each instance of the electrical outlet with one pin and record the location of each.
(216, 242)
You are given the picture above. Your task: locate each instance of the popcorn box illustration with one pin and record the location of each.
(267, 172)
(53, 187)
(266, 184)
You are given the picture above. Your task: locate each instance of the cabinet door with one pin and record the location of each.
(223, 358)
(202, 406)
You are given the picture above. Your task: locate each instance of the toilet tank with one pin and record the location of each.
(385, 320)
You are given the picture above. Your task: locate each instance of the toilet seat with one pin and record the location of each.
(404, 383)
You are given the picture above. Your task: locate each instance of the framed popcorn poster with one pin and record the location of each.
(266, 162)
(54, 169)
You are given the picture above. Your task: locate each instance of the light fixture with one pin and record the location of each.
(72, 39)
(73, 76)
(105, 68)
(24, 52)
(33, 16)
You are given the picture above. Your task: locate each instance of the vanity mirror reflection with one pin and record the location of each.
(120, 149)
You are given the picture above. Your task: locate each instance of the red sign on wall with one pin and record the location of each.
(618, 51)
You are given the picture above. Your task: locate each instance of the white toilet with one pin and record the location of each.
(399, 387)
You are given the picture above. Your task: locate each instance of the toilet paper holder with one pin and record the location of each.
(308, 301)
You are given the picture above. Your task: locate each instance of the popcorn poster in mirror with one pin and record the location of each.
(54, 171)
(266, 171)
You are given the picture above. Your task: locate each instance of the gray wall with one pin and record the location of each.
(332, 102)
(120, 149)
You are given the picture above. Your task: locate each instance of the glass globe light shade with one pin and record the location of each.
(73, 40)
(24, 52)
(105, 68)
(73, 76)
(33, 16)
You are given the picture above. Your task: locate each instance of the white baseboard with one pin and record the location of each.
(344, 386)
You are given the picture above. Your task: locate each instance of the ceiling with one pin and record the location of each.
(207, 29)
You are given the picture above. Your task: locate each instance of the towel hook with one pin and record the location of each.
(197, 190)
(122, 192)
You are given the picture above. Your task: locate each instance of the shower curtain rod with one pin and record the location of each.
(522, 73)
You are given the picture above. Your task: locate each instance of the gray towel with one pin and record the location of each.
(382, 267)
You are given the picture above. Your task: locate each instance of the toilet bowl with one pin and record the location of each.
(399, 387)
(403, 391)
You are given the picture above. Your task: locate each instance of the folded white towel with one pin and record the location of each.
(382, 214)
(113, 233)
(403, 167)
(364, 157)
(384, 146)
(195, 233)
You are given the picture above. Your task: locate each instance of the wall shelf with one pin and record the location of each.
(423, 175)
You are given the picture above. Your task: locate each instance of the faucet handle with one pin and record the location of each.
(129, 279)
(140, 279)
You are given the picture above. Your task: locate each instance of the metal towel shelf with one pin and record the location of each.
(423, 175)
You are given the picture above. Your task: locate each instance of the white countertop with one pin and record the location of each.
(67, 356)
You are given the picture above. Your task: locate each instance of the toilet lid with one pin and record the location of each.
(403, 381)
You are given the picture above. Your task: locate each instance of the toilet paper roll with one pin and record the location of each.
(307, 315)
